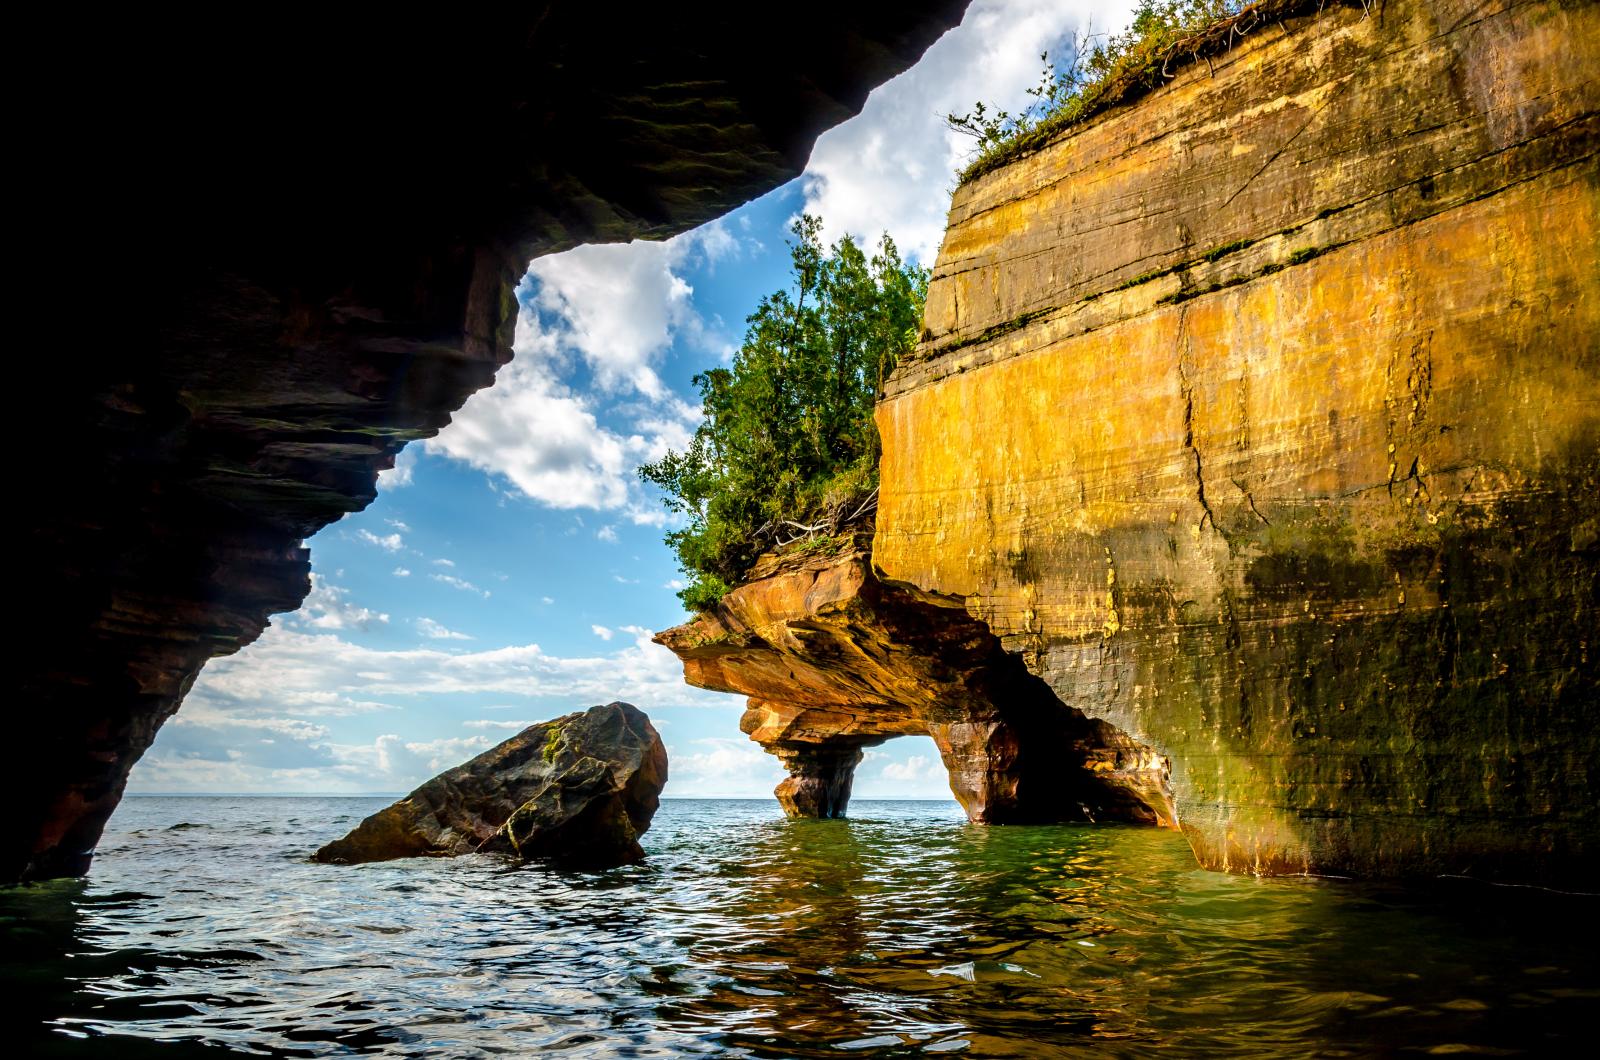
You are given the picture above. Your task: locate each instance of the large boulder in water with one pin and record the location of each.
(580, 789)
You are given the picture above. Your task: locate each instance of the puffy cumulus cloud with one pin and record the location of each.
(399, 476)
(288, 664)
(401, 572)
(495, 723)
(433, 630)
(328, 606)
(893, 773)
(724, 767)
(409, 763)
(915, 768)
(893, 166)
(607, 534)
(595, 323)
(388, 542)
(602, 632)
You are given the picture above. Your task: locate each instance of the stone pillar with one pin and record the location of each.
(1051, 764)
(819, 778)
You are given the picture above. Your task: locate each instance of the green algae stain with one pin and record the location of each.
(554, 741)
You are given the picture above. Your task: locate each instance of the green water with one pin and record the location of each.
(900, 932)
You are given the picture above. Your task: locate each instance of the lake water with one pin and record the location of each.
(903, 931)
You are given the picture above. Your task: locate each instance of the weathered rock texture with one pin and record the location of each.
(834, 660)
(1261, 418)
(317, 220)
(580, 789)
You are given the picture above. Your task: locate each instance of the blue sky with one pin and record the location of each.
(512, 569)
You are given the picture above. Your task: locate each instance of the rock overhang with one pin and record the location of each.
(328, 213)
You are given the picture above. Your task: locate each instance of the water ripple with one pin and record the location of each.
(901, 932)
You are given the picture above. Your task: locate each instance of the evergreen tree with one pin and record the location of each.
(788, 433)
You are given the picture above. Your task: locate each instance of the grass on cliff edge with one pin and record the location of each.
(1106, 69)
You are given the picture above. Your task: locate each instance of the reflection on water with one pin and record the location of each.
(900, 932)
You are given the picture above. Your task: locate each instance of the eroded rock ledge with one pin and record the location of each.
(313, 223)
(835, 660)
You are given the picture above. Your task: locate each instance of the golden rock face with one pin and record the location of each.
(1262, 419)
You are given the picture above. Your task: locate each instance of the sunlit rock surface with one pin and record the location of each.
(579, 789)
(301, 236)
(834, 660)
(1260, 417)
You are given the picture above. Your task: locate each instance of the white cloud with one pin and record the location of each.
(243, 726)
(444, 563)
(401, 572)
(287, 666)
(327, 606)
(459, 583)
(415, 762)
(388, 542)
(494, 723)
(893, 166)
(615, 310)
(400, 475)
(607, 533)
(915, 768)
(429, 628)
(728, 767)
(547, 600)
(602, 632)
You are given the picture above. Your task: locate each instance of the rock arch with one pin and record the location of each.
(835, 660)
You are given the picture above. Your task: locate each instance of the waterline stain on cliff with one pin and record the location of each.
(1360, 385)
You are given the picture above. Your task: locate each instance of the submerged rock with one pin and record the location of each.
(580, 789)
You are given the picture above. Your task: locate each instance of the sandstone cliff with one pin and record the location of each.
(1261, 419)
(314, 221)
(833, 661)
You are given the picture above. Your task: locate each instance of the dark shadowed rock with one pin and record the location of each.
(580, 789)
(330, 236)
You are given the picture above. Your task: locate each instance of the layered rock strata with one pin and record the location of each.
(835, 660)
(318, 219)
(1261, 419)
(579, 790)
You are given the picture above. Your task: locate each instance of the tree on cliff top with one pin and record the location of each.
(788, 433)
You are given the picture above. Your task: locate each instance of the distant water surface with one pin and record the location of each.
(901, 932)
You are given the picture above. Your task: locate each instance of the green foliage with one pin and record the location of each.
(552, 743)
(1098, 66)
(788, 439)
